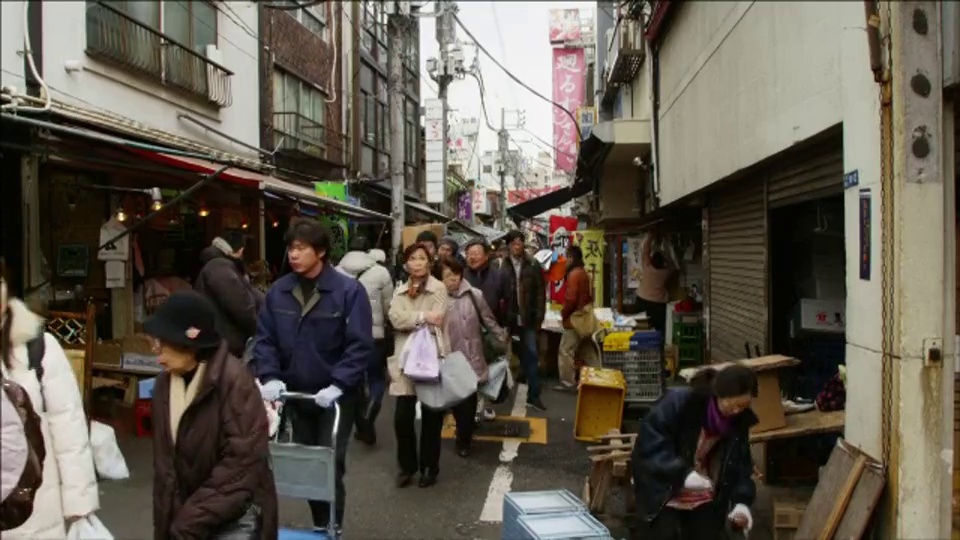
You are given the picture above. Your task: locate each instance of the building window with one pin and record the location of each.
(299, 113)
(368, 105)
(167, 41)
(313, 17)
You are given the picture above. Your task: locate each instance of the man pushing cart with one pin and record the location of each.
(314, 338)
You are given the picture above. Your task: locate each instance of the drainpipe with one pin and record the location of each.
(655, 91)
(35, 28)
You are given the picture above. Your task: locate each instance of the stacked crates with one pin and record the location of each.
(553, 515)
(641, 364)
(688, 340)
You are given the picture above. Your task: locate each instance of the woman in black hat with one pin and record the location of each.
(212, 475)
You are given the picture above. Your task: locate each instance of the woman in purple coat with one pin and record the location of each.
(468, 316)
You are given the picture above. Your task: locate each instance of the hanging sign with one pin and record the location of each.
(865, 231)
(591, 243)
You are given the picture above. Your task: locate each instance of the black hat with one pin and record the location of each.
(187, 319)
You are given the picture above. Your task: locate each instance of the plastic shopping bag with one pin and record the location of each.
(420, 358)
(88, 528)
(107, 458)
(497, 389)
(458, 381)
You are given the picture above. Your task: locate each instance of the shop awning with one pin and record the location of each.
(308, 196)
(235, 175)
(555, 199)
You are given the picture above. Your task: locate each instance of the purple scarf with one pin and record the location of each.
(716, 425)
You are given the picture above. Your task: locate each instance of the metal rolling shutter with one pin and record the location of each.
(737, 251)
(813, 176)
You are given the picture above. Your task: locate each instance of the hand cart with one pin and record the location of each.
(306, 472)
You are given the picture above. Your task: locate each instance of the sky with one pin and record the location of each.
(515, 33)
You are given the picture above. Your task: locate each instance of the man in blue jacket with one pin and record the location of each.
(314, 335)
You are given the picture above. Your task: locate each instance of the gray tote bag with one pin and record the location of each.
(457, 382)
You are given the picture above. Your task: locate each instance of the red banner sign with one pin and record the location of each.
(559, 243)
(517, 196)
(568, 88)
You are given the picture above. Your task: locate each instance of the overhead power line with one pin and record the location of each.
(514, 77)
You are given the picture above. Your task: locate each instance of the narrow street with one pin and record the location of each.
(377, 509)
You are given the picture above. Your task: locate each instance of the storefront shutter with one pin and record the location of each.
(737, 287)
(814, 175)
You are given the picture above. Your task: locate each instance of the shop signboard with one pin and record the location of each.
(592, 244)
(865, 232)
(564, 25)
(561, 230)
(337, 223)
(634, 261)
(568, 88)
(517, 196)
(465, 206)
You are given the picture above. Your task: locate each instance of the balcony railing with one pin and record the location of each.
(294, 132)
(114, 36)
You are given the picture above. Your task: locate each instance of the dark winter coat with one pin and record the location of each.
(663, 455)
(222, 280)
(530, 290)
(328, 340)
(220, 463)
(495, 285)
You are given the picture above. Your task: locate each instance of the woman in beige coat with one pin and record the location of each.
(422, 299)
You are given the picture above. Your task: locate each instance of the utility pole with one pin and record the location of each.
(444, 71)
(503, 149)
(397, 23)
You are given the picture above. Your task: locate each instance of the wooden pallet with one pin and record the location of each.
(610, 469)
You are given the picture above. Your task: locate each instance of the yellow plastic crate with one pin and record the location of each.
(600, 401)
(617, 341)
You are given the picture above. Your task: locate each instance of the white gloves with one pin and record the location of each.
(741, 510)
(326, 397)
(697, 482)
(272, 389)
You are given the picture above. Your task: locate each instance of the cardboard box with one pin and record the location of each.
(410, 233)
(108, 353)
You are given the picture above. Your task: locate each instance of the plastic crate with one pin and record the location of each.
(689, 354)
(534, 503)
(642, 373)
(647, 339)
(617, 341)
(600, 400)
(687, 332)
(560, 527)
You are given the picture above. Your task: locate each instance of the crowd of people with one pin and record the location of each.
(336, 333)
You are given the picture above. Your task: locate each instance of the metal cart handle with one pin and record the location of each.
(303, 396)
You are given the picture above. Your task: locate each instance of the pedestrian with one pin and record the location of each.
(430, 241)
(223, 280)
(652, 293)
(314, 335)
(14, 446)
(482, 274)
(421, 300)
(527, 312)
(450, 248)
(468, 318)
(34, 360)
(211, 458)
(577, 303)
(376, 280)
(693, 473)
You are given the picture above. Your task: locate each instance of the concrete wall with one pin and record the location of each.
(11, 43)
(741, 81)
(101, 86)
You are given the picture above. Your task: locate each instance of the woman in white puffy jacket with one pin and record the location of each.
(69, 488)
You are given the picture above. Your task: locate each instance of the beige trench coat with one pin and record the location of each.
(404, 312)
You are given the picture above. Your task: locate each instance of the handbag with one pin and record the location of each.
(458, 381)
(498, 385)
(491, 349)
(420, 359)
(246, 527)
(584, 322)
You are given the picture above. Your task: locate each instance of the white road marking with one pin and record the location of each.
(502, 477)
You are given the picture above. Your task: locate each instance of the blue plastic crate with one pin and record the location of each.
(294, 534)
(523, 503)
(647, 339)
(581, 526)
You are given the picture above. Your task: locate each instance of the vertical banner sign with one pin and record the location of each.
(435, 135)
(865, 226)
(591, 243)
(586, 117)
(568, 87)
(465, 206)
(337, 223)
(561, 229)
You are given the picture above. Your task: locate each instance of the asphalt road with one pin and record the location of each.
(375, 507)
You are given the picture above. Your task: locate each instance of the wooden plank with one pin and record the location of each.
(609, 447)
(612, 456)
(802, 424)
(863, 503)
(821, 503)
(609, 437)
(840, 505)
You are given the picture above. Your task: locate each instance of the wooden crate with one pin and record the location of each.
(600, 400)
(787, 514)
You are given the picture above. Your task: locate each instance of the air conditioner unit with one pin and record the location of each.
(627, 33)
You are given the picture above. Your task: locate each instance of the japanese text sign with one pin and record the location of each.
(591, 243)
(568, 88)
